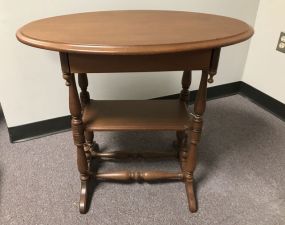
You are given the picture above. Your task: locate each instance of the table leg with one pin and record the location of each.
(195, 134)
(79, 139)
(181, 136)
(91, 145)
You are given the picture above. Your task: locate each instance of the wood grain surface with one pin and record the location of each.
(128, 115)
(134, 32)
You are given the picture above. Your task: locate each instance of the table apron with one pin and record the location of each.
(96, 63)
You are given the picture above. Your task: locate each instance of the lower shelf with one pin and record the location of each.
(127, 115)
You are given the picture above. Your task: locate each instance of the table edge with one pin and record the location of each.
(136, 49)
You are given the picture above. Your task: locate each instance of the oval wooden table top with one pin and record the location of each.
(134, 32)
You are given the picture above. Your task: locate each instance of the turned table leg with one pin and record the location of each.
(79, 139)
(195, 134)
(85, 100)
(181, 136)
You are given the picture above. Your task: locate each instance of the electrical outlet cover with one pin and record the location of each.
(281, 43)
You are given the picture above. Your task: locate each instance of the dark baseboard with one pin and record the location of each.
(263, 100)
(53, 126)
(39, 129)
(212, 92)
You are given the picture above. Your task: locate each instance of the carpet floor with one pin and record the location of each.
(240, 175)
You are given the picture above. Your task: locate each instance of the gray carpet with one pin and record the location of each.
(240, 175)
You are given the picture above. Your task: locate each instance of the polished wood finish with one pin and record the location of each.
(118, 155)
(90, 145)
(83, 197)
(136, 41)
(182, 136)
(128, 115)
(84, 94)
(195, 132)
(186, 82)
(87, 63)
(214, 64)
(134, 32)
(139, 176)
(78, 137)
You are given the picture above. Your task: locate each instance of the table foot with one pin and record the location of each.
(83, 197)
(192, 203)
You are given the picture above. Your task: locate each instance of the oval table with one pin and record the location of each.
(136, 41)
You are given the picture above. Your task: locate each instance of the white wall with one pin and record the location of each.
(31, 87)
(265, 67)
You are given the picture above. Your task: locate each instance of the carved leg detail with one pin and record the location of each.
(84, 94)
(91, 147)
(184, 97)
(85, 100)
(78, 138)
(139, 176)
(189, 180)
(195, 134)
(82, 164)
(89, 136)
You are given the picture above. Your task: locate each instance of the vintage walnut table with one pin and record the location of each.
(136, 41)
